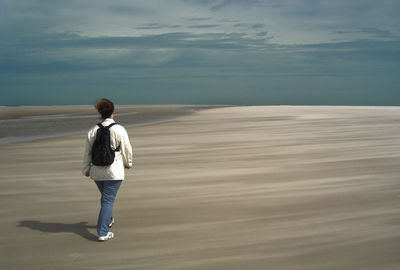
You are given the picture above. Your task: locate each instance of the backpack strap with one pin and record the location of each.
(110, 125)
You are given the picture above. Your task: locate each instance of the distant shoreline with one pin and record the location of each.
(13, 112)
(27, 123)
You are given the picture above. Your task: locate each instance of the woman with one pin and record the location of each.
(108, 178)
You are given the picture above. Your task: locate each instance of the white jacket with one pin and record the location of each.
(123, 158)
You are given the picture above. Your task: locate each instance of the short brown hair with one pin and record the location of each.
(105, 107)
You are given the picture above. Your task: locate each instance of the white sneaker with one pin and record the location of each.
(106, 237)
(112, 222)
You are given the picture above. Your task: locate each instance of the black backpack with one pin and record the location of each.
(102, 153)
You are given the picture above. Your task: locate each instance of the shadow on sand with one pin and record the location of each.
(80, 228)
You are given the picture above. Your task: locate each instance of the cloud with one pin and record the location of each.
(199, 19)
(262, 34)
(218, 5)
(130, 10)
(369, 32)
(157, 26)
(204, 26)
(74, 52)
(249, 26)
(184, 47)
(258, 26)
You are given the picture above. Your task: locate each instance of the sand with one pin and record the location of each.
(227, 188)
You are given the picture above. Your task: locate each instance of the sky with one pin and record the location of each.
(243, 52)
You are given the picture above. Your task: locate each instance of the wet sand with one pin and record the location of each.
(227, 188)
(18, 112)
(29, 122)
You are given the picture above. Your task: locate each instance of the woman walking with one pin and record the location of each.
(107, 174)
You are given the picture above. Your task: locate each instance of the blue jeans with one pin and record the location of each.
(108, 190)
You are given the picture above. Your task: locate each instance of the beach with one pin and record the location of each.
(257, 187)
